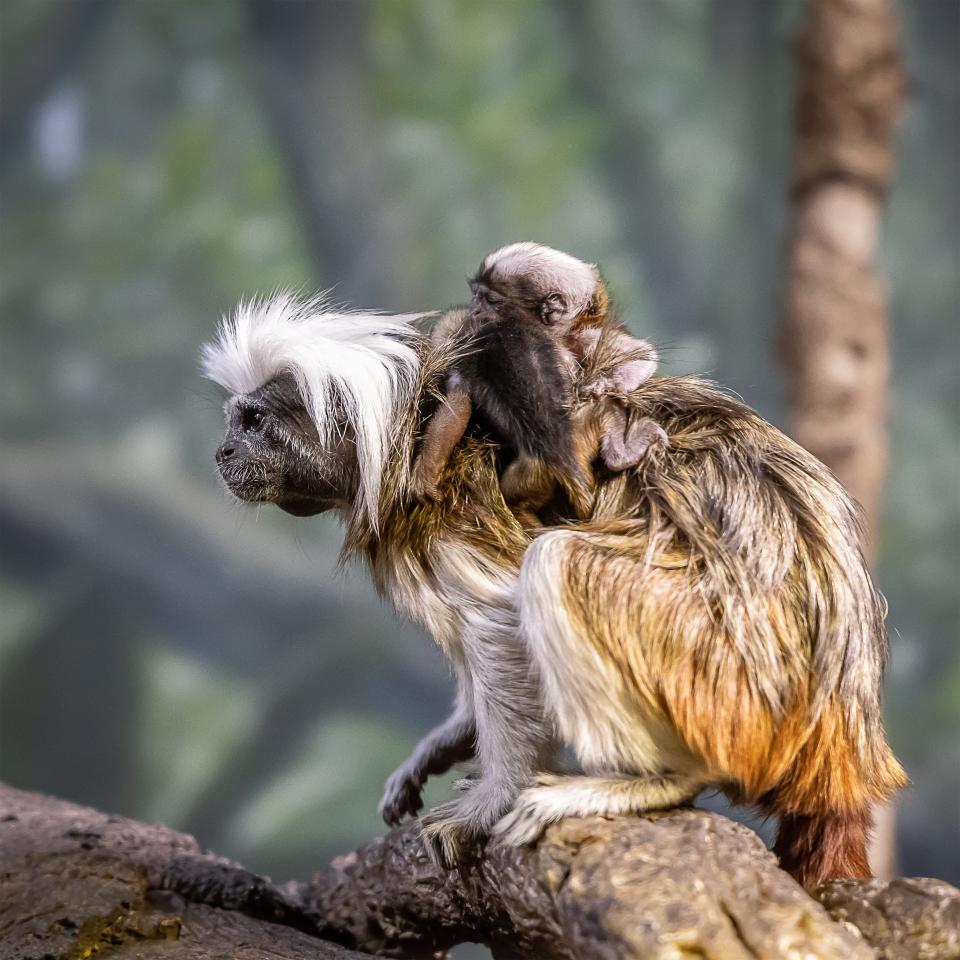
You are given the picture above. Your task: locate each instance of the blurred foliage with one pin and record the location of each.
(172, 657)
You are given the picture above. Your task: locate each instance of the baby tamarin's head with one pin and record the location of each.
(534, 281)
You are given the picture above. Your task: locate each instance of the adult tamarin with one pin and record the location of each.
(712, 623)
(535, 317)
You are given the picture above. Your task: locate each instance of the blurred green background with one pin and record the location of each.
(171, 656)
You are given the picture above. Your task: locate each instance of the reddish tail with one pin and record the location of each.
(815, 847)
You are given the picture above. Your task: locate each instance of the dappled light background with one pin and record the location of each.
(170, 656)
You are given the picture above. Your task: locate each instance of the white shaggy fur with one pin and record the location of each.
(597, 712)
(349, 366)
(553, 798)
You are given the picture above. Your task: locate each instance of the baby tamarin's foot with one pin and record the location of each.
(423, 482)
(623, 449)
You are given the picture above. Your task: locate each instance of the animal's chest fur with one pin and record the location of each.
(452, 566)
(452, 589)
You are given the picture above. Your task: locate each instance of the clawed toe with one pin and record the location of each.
(401, 798)
(449, 842)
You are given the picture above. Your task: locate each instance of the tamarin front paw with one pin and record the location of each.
(401, 796)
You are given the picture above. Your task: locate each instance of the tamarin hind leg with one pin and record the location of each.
(556, 797)
(514, 737)
(624, 444)
(444, 431)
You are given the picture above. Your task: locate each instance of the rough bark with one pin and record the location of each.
(78, 883)
(834, 342)
(906, 919)
(688, 883)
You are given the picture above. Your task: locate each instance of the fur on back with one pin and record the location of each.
(361, 368)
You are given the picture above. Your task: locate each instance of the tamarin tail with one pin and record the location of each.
(815, 847)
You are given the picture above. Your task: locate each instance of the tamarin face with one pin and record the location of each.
(533, 283)
(272, 453)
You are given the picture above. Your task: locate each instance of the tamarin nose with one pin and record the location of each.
(228, 451)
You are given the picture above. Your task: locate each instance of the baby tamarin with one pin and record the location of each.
(535, 316)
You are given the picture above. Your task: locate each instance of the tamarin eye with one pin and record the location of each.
(252, 419)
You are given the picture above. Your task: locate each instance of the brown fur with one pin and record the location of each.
(723, 579)
(817, 847)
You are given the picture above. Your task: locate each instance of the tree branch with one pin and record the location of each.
(80, 883)
(591, 888)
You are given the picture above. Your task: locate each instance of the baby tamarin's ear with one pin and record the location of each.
(560, 308)
(554, 309)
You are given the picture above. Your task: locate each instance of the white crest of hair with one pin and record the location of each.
(558, 272)
(364, 365)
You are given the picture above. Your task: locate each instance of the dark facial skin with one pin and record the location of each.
(272, 454)
(517, 298)
(515, 375)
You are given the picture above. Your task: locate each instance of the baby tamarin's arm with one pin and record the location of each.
(448, 423)
(638, 365)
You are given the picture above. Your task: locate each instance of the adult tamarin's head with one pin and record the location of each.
(559, 290)
(316, 394)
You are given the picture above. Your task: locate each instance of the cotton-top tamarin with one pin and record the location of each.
(711, 624)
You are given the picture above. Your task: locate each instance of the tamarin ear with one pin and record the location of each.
(553, 308)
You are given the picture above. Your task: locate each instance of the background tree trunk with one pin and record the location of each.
(834, 338)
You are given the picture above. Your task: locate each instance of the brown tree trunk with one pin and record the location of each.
(834, 344)
(835, 339)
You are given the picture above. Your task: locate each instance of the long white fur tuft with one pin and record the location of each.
(363, 365)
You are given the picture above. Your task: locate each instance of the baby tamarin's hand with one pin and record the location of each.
(637, 363)
(639, 437)
(603, 387)
(624, 444)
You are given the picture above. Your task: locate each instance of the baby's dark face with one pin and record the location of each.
(516, 296)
